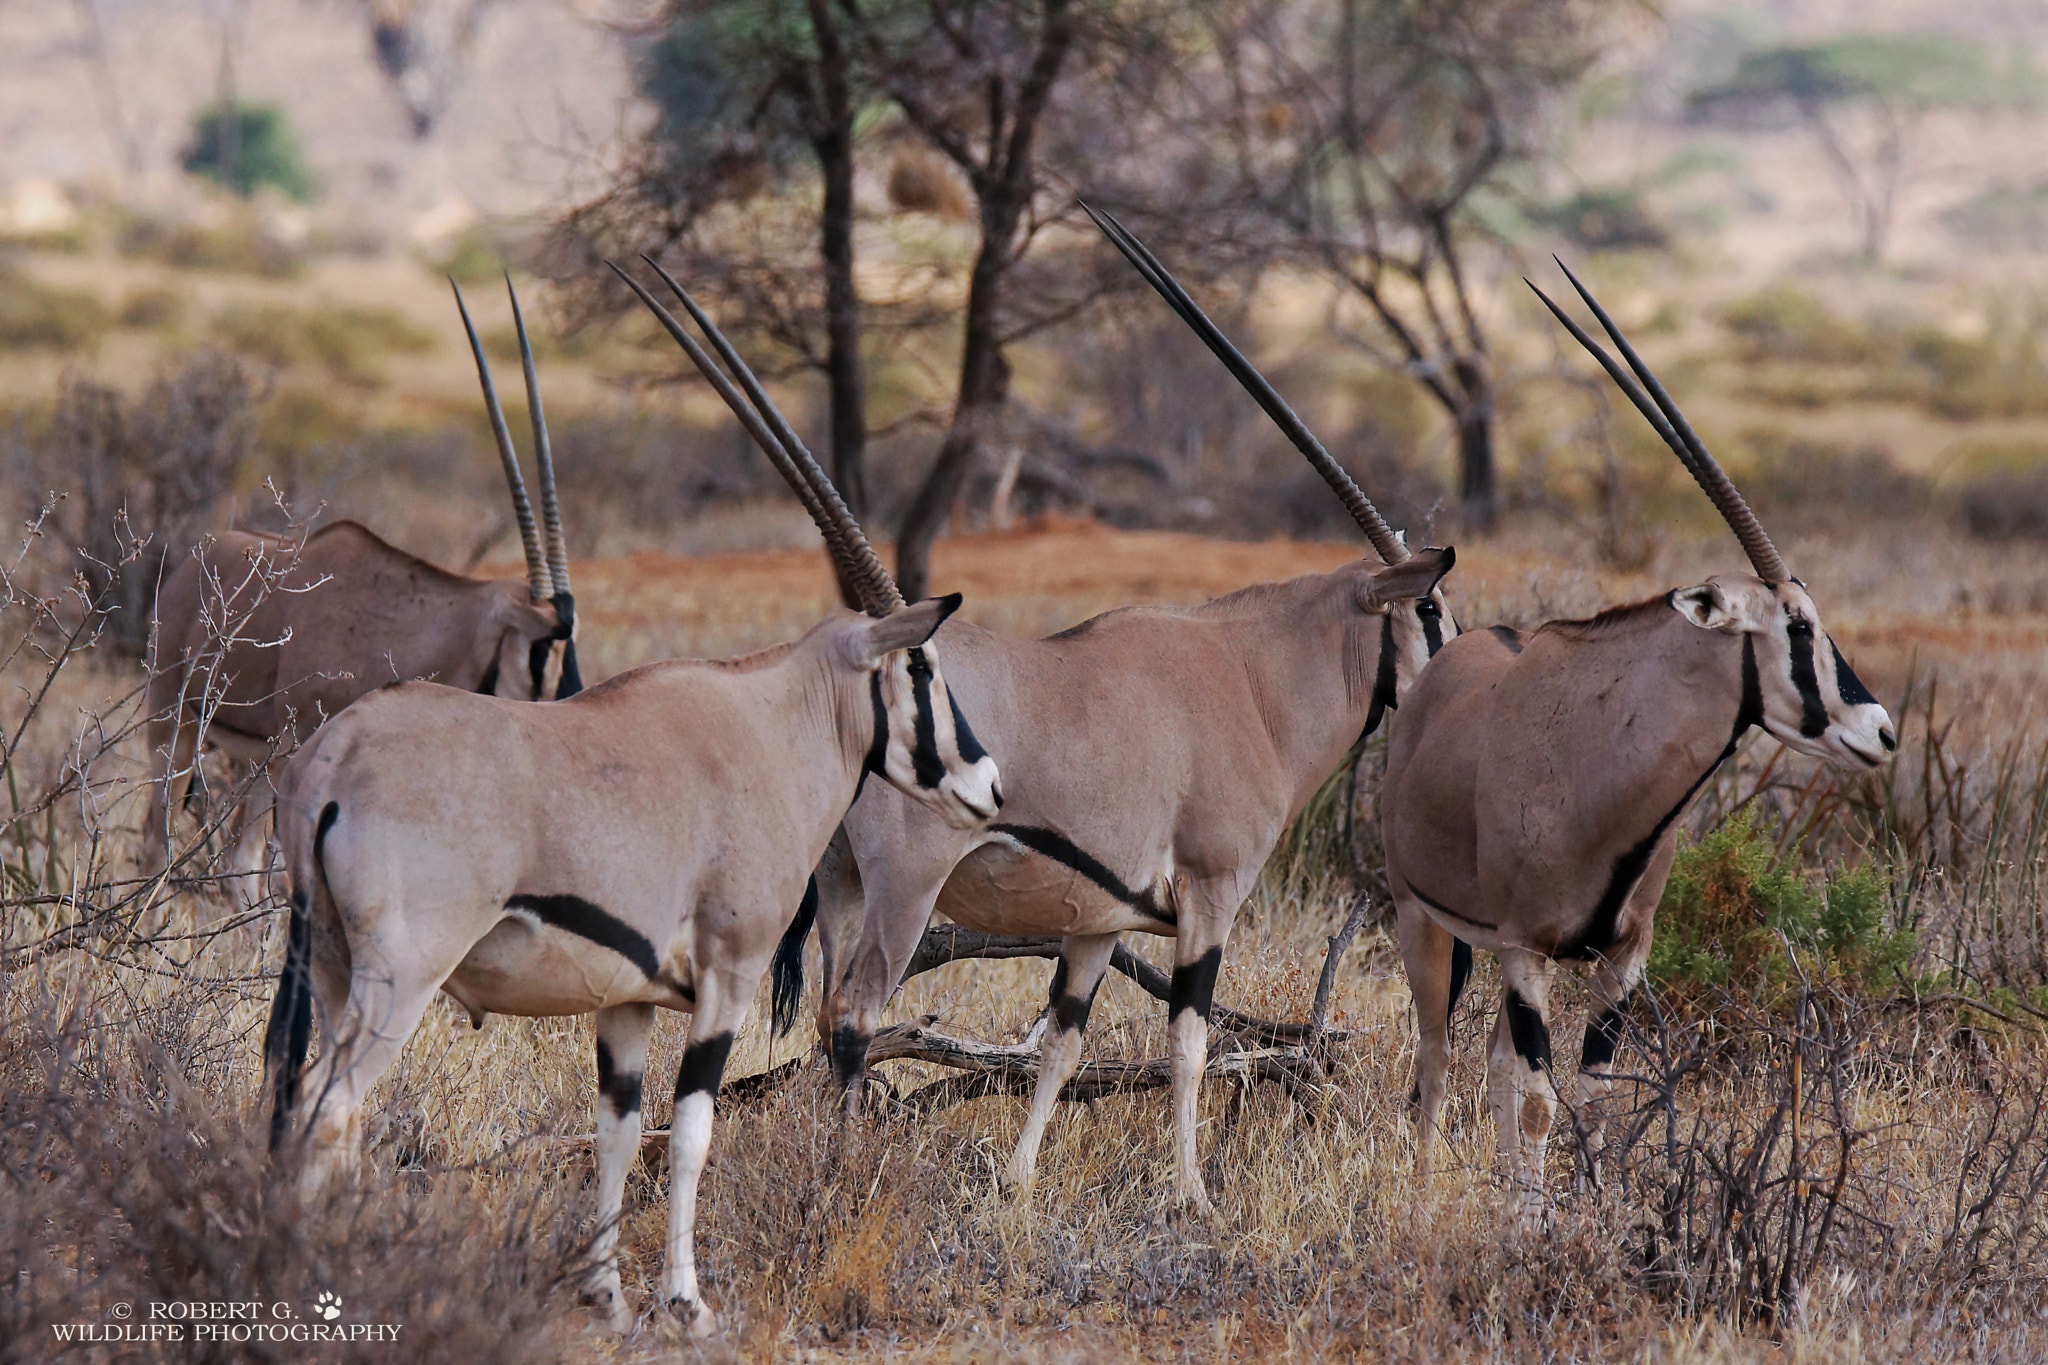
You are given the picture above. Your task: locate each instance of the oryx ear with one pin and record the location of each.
(1415, 576)
(1707, 607)
(903, 629)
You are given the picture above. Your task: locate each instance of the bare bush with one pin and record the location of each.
(142, 481)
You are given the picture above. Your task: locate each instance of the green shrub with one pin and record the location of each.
(248, 147)
(1730, 896)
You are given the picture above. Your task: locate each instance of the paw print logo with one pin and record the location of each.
(327, 1306)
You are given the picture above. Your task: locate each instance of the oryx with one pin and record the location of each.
(1152, 755)
(642, 845)
(1533, 788)
(260, 638)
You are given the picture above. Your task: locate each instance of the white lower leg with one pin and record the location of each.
(689, 1145)
(1190, 1052)
(1058, 1058)
(618, 1142)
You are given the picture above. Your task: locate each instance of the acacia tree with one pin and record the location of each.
(741, 91)
(1862, 97)
(1365, 133)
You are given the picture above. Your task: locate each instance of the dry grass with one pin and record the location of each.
(131, 1076)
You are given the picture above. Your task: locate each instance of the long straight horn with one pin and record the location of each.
(539, 583)
(873, 604)
(1348, 492)
(570, 682)
(1670, 423)
(864, 566)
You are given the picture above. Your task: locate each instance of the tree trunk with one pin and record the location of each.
(846, 379)
(1474, 417)
(984, 388)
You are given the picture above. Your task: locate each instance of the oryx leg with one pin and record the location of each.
(1614, 981)
(854, 1007)
(622, 1033)
(721, 1009)
(389, 989)
(1205, 920)
(1437, 966)
(1083, 960)
(1519, 1084)
(842, 911)
(250, 847)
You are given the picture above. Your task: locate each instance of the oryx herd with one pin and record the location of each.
(661, 838)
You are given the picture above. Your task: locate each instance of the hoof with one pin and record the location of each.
(697, 1318)
(1016, 1185)
(1194, 1203)
(609, 1301)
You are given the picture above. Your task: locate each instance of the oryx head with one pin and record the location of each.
(922, 744)
(549, 612)
(1804, 692)
(1401, 589)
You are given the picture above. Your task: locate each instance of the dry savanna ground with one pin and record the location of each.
(132, 1065)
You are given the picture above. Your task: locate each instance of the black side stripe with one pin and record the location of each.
(1599, 932)
(1049, 844)
(574, 915)
(1443, 909)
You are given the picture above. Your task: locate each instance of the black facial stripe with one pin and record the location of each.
(537, 664)
(1461, 971)
(621, 1091)
(1443, 909)
(1508, 636)
(963, 734)
(1385, 680)
(878, 752)
(574, 915)
(1847, 683)
(488, 686)
(1603, 1037)
(1526, 1027)
(1598, 933)
(849, 1054)
(1048, 844)
(1432, 625)
(1813, 712)
(925, 762)
(703, 1066)
(1194, 985)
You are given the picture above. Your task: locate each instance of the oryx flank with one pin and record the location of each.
(644, 844)
(1533, 789)
(1153, 756)
(259, 639)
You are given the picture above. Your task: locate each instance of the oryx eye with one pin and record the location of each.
(919, 667)
(1799, 625)
(1427, 608)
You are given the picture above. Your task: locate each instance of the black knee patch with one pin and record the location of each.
(621, 1091)
(1603, 1037)
(1194, 985)
(1530, 1034)
(1461, 972)
(849, 1054)
(703, 1066)
(1070, 1012)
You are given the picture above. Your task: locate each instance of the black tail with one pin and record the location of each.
(788, 971)
(1461, 971)
(290, 1031)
